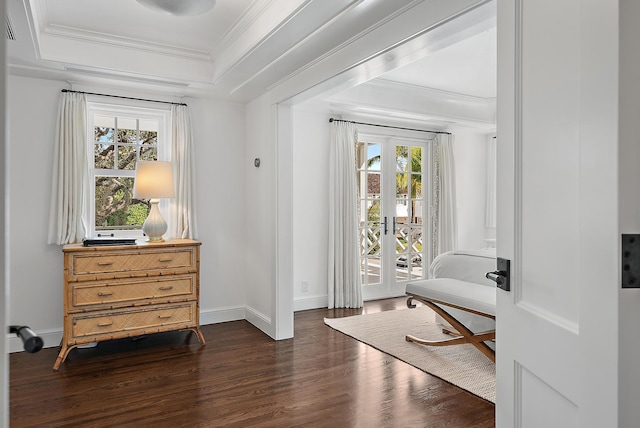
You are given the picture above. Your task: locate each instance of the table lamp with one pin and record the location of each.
(154, 180)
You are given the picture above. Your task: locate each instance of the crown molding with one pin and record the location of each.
(96, 38)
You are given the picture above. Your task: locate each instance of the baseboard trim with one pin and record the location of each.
(215, 316)
(260, 320)
(314, 302)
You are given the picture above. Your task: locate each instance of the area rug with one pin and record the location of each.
(460, 365)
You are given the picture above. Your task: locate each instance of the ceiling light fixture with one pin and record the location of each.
(179, 7)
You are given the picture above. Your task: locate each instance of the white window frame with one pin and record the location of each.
(134, 110)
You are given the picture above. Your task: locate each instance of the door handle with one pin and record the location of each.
(394, 225)
(386, 226)
(502, 276)
(497, 276)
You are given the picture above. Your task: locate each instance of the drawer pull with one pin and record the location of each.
(165, 317)
(166, 287)
(105, 263)
(105, 293)
(105, 324)
(166, 260)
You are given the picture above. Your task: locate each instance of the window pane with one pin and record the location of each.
(103, 156)
(103, 134)
(402, 240)
(148, 138)
(373, 157)
(416, 159)
(402, 157)
(416, 186)
(373, 184)
(416, 212)
(373, 210)
(115, 206)
(370, 271)
(148, 153)
(129, 136)
(402, 184)
(126, 157)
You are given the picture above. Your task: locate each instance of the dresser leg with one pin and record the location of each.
(62, 355)
(199, 334)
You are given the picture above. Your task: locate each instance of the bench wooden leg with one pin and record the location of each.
(466, 335)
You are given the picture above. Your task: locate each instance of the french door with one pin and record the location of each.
(392, 174)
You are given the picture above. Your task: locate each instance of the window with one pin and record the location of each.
(119, 137)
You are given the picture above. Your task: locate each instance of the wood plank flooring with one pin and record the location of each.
(241, 378)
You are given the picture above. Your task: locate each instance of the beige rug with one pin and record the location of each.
(461, 365)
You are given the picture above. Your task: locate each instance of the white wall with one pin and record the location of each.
(310, 207)
(219, 135)
(469, 155)
(310, 220)
(36, 279)
(259, 198)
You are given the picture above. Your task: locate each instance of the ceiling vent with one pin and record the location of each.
(10, 34)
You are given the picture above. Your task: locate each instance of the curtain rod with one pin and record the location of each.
(388, 126)
(126, 98)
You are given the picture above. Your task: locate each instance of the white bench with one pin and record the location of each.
(467, 296)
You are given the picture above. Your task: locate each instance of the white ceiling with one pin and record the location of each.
(238, 50)
(468, 67)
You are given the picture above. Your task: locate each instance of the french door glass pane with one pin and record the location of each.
(409, 200)
(371, 230)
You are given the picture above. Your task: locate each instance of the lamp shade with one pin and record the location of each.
(154, 179)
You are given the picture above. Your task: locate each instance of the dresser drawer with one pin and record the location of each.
(132, 291)
(132, 261)
(131, 322)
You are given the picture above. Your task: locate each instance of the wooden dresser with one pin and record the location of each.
(115, 292)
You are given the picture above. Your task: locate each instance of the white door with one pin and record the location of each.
(391, 176)
(557, 211)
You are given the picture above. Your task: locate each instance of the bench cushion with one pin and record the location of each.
(479, 298)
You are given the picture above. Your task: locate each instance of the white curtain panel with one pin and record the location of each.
(444, 234)
(183, 206)
(70, 171)
(490, 215)
(344, 288)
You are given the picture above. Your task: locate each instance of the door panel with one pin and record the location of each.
(545, 350)
(558, 411)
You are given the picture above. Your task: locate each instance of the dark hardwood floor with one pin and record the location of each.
(241, 378)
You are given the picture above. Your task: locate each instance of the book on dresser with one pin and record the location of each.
(113, 292)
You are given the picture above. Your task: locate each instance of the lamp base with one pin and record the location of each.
(154, 226)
